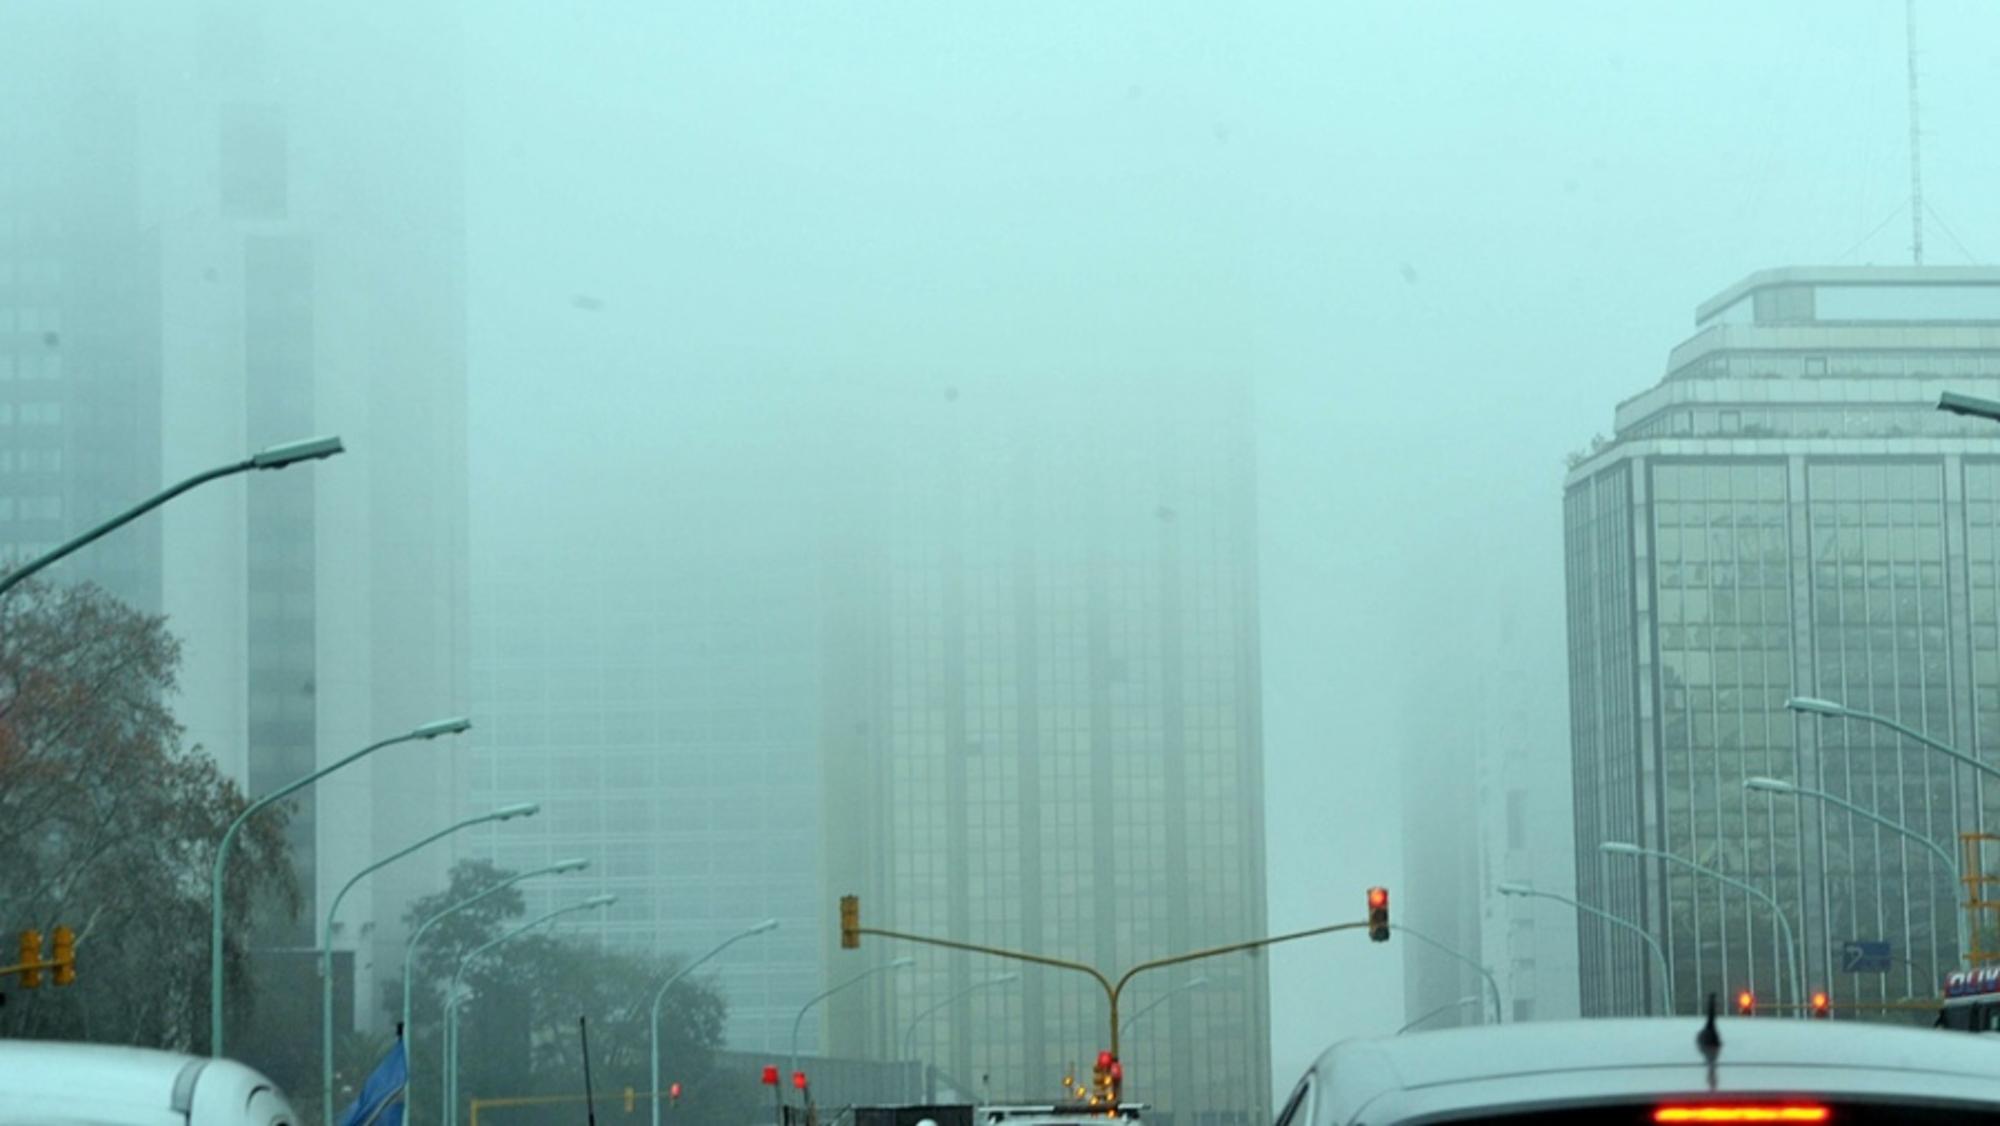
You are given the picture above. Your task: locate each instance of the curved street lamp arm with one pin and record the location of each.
(133, 513)
(1666, 968)
(1444, 1008)
(1784, 924)
(1492, 982)
(661, 995)
(1912, 733)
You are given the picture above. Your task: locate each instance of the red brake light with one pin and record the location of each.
(1741, 1113)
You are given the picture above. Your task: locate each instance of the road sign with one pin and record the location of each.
(1865, 957)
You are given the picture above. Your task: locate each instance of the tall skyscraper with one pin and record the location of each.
(1786, 513)
(648, 671)
(213, 239)
(1042, 732)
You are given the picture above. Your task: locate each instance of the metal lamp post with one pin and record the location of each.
(1666, 968)
(504, 813)
(910, 1033)
(417, 936)
(1778, 786)
(272, 457)
(427, 731)
(449, 1073)
(1625, 848)
(886, 967)
(653, 1056)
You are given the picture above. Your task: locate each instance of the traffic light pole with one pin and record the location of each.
(1111, 991)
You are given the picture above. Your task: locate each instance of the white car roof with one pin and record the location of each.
(55, 1081)
(1555, 1063)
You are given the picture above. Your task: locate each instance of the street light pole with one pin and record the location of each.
(1625, 848)
(273, 457)
(660, 995)
(1971, 406)
(910, 1033)
(449, 1073)
(1491, 982)
(1777, 786)
(427, 731)
(1666, 968)
(1193, 983)
(1814, 706)
(523, 809)
(886, 967)
(417, 936)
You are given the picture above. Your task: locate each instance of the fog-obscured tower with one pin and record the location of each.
(1043, 730)
(1787, 513)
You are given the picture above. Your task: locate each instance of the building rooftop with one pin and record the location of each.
(1791, 294)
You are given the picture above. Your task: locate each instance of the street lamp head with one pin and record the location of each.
(1514, 889)
(1815, 705)
(599, 901)
(311, 449)
(1969, 405)
(573, 864)
(766, 925)
(518, 809)
(1770, 785)
(457, 725)
(1621, 848)
(902, 963)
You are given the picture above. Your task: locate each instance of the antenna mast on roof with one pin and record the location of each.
(1916, 143)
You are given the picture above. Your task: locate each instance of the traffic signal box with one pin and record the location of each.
(850, 922)
(1107, 1083)
(31, 957)
(1378, 914)
(64, 955)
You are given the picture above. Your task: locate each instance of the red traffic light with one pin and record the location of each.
(674, 1091)
(1378, 898)
(1746, 1003)
(1104, 1060)
(1117, 1070)
(799, 1080)
(770, 1075)
(1822, 1006)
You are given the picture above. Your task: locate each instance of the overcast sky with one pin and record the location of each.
(1442, 239)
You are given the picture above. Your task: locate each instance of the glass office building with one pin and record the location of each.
(1787, 513)
(1043, 733)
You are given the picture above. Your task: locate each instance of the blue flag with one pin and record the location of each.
(380, 1102)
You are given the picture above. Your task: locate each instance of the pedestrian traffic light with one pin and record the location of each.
(31, 956)
(64, 955)
(850, 922)
(1822, 1006)
(1378, 914)
(1746, 1004)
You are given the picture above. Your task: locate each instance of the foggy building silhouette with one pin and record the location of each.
(1042, 732)
(1786, 513)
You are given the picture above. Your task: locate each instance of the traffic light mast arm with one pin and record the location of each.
(996, 951)
(1213, 951)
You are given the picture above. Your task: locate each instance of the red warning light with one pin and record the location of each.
(1822, 1006)
(1742, 1113)
(770, 1075)
(799, 1080)
(674, 1091)
(1746, 1003)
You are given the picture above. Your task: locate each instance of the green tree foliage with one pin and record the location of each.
(110, 826)
(518, 1027)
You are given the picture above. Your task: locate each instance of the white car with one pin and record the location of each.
(58, 1083)
(1655, 1071)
